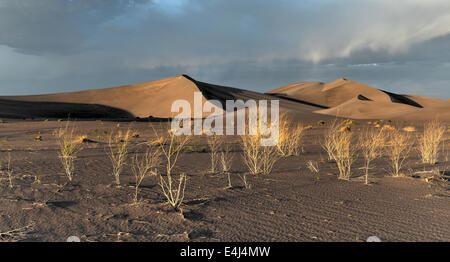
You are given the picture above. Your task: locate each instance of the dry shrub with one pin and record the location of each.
(290, 136)
(251, 152)
(313, 166)
(430, 140)
(8, 171)
(398, 147)
(371, 142)
(144, 166)
(338, 144)
(68, 149)
(214, 142)
(171, 146)
(259, 159)
(118, 152)
(226, 159)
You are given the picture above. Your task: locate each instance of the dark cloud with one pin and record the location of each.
(60, 45)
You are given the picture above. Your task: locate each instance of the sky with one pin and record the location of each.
(50, 46)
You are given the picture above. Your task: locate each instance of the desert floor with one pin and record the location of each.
(290, 204)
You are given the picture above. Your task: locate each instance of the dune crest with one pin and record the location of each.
(351, 99)
(136, 100)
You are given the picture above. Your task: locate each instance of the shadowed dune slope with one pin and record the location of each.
(350, 99)
(137, 100)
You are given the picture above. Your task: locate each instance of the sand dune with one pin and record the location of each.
(351, 99)
(308, 101)
(331, 94)
(360, 109)
(137, 100)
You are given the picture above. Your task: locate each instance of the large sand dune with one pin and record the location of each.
(308, 101)
(137, 100)
(345, 98)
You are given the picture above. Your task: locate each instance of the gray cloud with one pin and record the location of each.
(61, 45)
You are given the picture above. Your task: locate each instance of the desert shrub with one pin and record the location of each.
(327, 143)
(251, 152)
(9, 171)
(118, 152)
(68, 149)
(214, 143)
(245, 181)
(313, 166)
(430, 140)
(349, 122)
(38, 177)
(290, 136)
(259, 159)
(171, 146)
(38, 137)
(144, 166)
(398, 147)
(269, 156)
(371, 142)
(226, 159)
(338, 144)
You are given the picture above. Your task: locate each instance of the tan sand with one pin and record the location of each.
(350, 99)
(137, 100)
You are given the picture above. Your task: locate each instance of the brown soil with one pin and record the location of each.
(290, 204)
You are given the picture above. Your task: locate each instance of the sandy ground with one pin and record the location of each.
(290, 204)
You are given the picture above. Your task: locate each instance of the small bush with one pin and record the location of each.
(371, 142)
(430, 140)
(226, 159)
(118, 152)
(290, 137)
(259, 159)
(338, 144)
(68, 149)
(313, 166)
(144, 166)
(398, 148)
(214, 142)
(9, 171)
(171, 146)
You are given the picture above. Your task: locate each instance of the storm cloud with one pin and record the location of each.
(62, 45)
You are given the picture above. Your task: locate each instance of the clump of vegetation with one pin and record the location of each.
(172, 189)
(245, 181)
(38, 177)
(338, 144)
(9, 171)
(144, 166)
(135, 134)
(226, 159)
(214, 142)
(258, 158)
(68, 149)
(398, 147)
(313, 166)
(349, 122)
(371, 142)
(430, 140)
(38, 137)
(118, 152)
(388, 127)
(290, 137)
